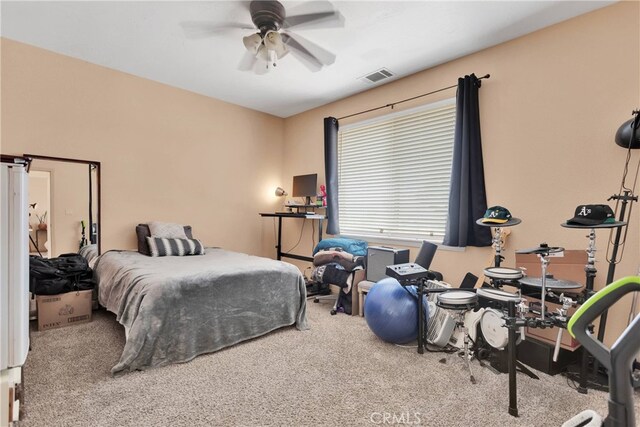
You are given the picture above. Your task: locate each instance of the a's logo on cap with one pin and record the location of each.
(584, 211)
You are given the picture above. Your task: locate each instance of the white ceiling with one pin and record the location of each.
(147, 40)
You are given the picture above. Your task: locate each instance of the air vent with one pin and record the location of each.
(377, 76)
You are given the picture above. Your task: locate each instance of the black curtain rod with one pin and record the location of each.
(486, 76)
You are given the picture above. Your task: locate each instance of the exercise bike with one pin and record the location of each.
(618, 359)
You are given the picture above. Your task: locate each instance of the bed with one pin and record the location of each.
(175, 308)
(90, 253)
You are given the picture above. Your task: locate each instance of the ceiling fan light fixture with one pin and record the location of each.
(273, 41)
(252, 42)
(268, 55)
(267, 46)
(272, 57)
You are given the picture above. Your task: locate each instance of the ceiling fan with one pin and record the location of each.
(274, 40)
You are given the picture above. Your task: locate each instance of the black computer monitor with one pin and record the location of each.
(305, 186)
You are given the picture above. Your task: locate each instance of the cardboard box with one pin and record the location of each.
(58, 311)
(570, 266)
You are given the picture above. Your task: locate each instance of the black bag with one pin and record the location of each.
(66, 273)
(72, 264)
(51, 286)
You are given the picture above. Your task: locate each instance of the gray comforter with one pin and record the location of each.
(175, 308)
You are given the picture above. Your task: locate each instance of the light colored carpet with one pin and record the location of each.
(337, 373)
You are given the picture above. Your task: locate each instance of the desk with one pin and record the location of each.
(280, 215)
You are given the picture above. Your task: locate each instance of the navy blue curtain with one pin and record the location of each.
(331, 173)
(467, 197)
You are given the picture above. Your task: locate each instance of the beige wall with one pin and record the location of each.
(549, 113)
(166, 154)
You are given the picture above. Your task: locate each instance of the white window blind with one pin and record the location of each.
(394, 174)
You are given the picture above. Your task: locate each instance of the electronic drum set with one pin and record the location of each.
(502, 315)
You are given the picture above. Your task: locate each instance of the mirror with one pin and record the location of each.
(64, 206)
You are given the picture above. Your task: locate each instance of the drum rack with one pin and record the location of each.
(414, 275)
(515, 319)
(514, 323)
(590, 272)
(498, 258)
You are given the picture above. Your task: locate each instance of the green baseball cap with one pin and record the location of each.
(497, 215)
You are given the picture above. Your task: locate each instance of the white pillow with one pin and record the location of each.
(166, 230)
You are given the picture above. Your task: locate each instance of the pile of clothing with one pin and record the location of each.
(335, 266)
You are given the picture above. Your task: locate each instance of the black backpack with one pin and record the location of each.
(66, 273)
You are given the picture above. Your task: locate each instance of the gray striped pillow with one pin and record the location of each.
(162, 246)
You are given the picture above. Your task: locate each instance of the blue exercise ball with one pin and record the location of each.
(392, 313)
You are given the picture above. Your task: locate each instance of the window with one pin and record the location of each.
(394, 174)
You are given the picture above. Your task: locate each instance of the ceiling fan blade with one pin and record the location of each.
(302, 54)
(320, 54)
(309, 62)
(248, 62)
(203, 29)
(329, 19)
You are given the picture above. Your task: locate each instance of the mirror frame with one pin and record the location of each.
(98, 184)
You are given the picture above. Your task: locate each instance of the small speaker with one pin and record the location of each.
(379, 257)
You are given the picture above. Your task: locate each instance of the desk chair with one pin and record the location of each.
(426, 254)
(331, 296)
